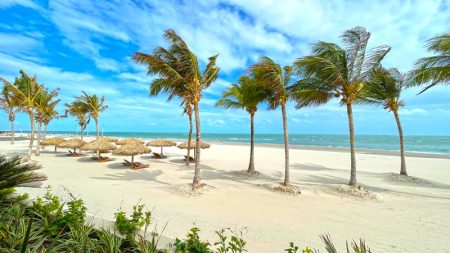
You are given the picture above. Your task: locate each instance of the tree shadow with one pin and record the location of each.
(135, 175)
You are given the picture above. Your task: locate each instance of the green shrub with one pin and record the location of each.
(129, 227)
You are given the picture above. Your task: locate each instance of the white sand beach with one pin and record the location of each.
(407, 216)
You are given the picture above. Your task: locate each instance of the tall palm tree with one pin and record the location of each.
(9, 105)
(50, 113)
(277, 80)
(178, 69)
(384, 89)
(44, 105)
(335, 72)
(187, 109)
(79, 111)
(94, 105)
(26, 91)
(433, 70)
(246, 94)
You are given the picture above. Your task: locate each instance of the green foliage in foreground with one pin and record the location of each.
(49, 224)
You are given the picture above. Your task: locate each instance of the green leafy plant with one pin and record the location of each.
(129, 227)
(192, 244)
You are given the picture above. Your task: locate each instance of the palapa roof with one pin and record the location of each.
(133, 148)
(100, 145)
(203, 145)
(161, 143)
(71, 143)
(52, 141)
(130, 140)
(108, 139)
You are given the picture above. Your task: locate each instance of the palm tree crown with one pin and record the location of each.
(433, 69)
(247, 94)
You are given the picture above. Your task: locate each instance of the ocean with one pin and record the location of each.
(413, 143)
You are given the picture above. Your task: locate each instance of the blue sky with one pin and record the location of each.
(86, 45)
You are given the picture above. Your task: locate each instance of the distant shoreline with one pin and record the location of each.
(295, 146)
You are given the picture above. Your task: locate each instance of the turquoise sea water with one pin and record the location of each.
(426, 144)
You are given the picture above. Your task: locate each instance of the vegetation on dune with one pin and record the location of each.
(179, 74)
(335, 72)
(49, 224)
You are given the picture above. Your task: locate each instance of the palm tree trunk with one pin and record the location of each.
(351, 128)
(402, 150)
(38, 144)
(96, 126)
(81, 132)
(189, 138)
(45, 134)
(30, 146)
(12, 132)
(251, 165)
(197, 181)
(286, 146)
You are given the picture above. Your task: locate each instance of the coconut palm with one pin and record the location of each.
(50, 113)
(44, 105)
(384, 89)
(26, 91)
(276, 80)
(433, 70)
(94, 105)
(79, 111)
(246, 94)
(178, 70)
(9, 105)
(335, 72)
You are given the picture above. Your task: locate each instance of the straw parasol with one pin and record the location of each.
(132, 149)
(130, 140)
(184, 145)
(52, 141)
(161, 143)
(71, 143)
(108, 139)
(99, 145)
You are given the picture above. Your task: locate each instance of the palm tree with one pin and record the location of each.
(434, 69)
(277, 80)
(94, 105)
(50, 113)
(26, 91)
(246, 94)
(384, 89)
(44, 106)
(335, 72)
(9, 105)
(79, 111)
(178, 69)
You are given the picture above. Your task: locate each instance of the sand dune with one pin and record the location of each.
(405, 215)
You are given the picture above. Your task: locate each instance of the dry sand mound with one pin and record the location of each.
(356, 192)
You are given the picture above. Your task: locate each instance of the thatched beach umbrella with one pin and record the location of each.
(72, 143)
(99, 145)
(132, 149)
(184, 145)
(108, 139)
(130, 140)
(161, 143)
(52, 141)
